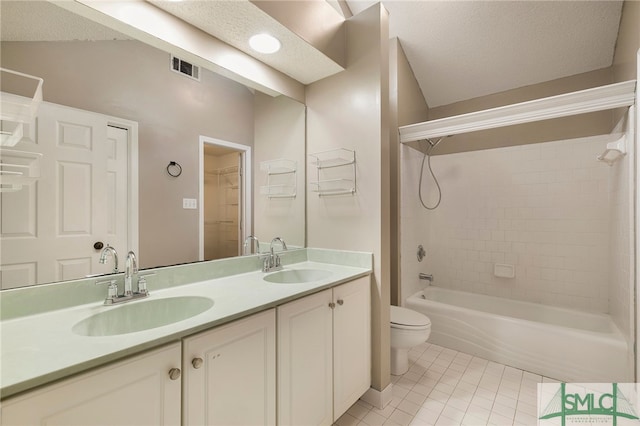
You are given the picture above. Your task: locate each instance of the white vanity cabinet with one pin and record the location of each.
(142, 390)
(230, 373)
(324, 354)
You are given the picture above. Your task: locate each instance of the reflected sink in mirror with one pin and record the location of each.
(297, 276)
(143, 315)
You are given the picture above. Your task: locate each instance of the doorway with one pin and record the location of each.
(224, 197)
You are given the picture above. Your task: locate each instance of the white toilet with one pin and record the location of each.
(408, 329)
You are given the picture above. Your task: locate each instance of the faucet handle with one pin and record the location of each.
(142, 283)
(112, 290)
(266, 262)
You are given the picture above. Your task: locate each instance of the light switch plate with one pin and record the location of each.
(189, 203)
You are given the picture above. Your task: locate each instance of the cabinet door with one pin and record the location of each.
(305, 361)
(351, 343)
(136, 391)
(230, 373)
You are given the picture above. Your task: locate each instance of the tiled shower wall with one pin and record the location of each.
(543, 208)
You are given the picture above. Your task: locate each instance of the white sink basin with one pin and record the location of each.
(142, 315)
(297, 276)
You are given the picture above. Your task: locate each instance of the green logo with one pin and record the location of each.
(586, 402)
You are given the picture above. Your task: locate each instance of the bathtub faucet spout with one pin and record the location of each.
(428, 277)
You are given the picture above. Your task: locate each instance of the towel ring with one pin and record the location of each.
(174, 169)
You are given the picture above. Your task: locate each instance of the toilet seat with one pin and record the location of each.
(407, 319)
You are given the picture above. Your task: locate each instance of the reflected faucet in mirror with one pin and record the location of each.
(114, 254)
(130, 269)
(253, 249)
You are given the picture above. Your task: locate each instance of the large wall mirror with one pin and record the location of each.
(197, 139)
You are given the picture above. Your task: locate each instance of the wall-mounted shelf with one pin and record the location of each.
(281, 178)
(278, 191)
(17, 110)
(18, 168)
(334, 176)
(279, 167)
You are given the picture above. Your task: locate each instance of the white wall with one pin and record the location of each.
(544, 208)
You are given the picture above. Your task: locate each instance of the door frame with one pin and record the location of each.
(246, 224)
(133, 239)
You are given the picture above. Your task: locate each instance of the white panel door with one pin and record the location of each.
(351, 343)
(50, 226)
(230, 374)
(305, 370)
(137, 391)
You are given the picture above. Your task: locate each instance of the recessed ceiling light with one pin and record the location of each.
(264, 43)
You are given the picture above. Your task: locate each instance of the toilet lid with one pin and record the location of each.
(404, 316)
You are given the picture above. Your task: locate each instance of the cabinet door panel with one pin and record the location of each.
(137, 391)
(305, 361)
(236, 384)
(351, 343)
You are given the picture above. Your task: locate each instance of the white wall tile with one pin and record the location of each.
(551, 210)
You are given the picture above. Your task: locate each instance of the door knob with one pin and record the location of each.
(98, 245)
(174, 373)
(340, 302)
(197, 363)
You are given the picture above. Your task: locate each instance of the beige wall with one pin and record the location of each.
(407, 105)
(549, 130)
(130, 80)
(350, 110)
(526, 93)
(279, 217)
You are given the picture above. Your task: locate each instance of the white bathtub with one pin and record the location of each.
(563, 344)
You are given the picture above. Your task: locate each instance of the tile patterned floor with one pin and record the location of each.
(444, 387)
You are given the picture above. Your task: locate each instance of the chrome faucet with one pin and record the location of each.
(130, 269)
(428, 277)
(247, 243)
(103, 257)
(271, 262)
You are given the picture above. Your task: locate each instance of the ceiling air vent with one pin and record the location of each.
(185, 68)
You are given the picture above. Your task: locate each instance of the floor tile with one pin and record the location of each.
(444, 387)
(374, 419)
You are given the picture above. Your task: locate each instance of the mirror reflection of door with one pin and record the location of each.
(50, 226)
(222, 202)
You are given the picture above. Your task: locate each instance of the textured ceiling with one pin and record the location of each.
(235, 21)
(43, 21)
(460, 50)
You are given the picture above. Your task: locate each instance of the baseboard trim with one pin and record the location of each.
(378, 399)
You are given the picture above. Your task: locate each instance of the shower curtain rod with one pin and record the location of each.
(590, 100)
